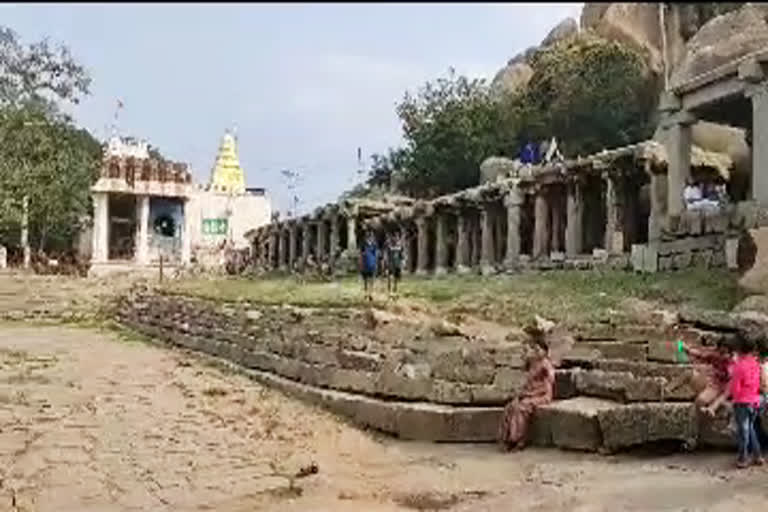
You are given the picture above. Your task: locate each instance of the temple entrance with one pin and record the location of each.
(122, 226)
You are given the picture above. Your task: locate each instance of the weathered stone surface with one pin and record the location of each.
(572, 424)
(408, 381)
(358, 360)
(619, 386)
(511, 79)
(722, 40)
(494, 168)
(617, 350)
(509, 379)
(562, 30)
(446, 392)
(473, 367)
(635, 424)
(353, 381)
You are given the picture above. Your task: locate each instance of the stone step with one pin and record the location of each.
(621, 387)
(593, 424)
(594, 350)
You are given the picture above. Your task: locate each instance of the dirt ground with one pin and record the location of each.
(93, 422)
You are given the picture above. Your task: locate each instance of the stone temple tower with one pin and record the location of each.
(227, 175)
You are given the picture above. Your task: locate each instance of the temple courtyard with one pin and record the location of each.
(96, 420)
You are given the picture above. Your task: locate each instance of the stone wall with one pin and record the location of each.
(333, 349)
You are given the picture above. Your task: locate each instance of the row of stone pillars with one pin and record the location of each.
(566, 217)
(292, 243)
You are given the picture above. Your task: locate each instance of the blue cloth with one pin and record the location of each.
(530, 154)
(370, 258)
(746, 432)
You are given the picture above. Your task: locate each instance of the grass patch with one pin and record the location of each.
(568, 296)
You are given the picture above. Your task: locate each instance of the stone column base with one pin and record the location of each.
(487, 270)
(421, 272)
(440, 271)
(463, 269)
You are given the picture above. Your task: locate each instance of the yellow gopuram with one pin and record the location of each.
(227, 175)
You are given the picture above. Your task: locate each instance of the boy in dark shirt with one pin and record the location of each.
(394, 261)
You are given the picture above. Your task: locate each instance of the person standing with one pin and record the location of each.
(368, 262)
(394, 262)
(745, 393)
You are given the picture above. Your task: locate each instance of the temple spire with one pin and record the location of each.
(227, 175)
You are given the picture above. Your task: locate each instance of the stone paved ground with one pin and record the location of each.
(89, 422)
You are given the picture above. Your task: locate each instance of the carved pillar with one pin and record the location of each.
(441, 243)
(486, 243)
(540, 225)
(759, 96)
(306, 240)
(352, 233)
(142, 230)
(333, 240)
(321, 235)
(274, 240)
(556, 221)
(574, 233)
(677, 124)
(100, 245)
(292, 246)
(657, 190)
(476, 237)
(513, 201)
(462, 243)
(422, 243)
(614, 236)
(281, 248)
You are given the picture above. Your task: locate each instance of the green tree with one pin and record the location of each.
(588, 92)
(43, 157)
(449, 126)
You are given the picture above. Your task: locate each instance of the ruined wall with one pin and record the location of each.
(333, 349)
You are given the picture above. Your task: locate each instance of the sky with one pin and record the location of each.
(304, 85)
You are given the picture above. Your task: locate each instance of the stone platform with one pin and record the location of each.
(609, 395)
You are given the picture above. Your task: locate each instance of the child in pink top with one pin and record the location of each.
(745, 393)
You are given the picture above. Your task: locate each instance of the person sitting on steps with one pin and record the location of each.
(537, 391)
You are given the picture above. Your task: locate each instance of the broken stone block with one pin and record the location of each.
(636, 424)
(461, 365)
(358, 360)
(445, 392)
(565, 386)
(716, 432)
(409, 383)
(353, 380)
(619, 386)
(509, 379)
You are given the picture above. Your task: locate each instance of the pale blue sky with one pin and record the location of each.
(305, 84)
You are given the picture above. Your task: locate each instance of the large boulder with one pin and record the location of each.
(495, 168)
(512, 78)
(562, 30)
(634, 24)
(723, 39)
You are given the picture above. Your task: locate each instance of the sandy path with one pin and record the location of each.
(92, 423)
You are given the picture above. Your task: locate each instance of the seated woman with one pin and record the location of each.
(711, 385)
(538, 390)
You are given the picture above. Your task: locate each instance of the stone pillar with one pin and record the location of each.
(574, 233)
(462, 244)
(441, 244)
(614, 237)
(657, 191)
(281, 246)
(100, 251)
(306, 240)
(291, 246)
(186, 234)
(320, 254)
(334, 240)
(540, 225)
(677, 124)
(422, 245)
(556, 216)
(486, 243)
(513, 201)
(3, 257)
(141, 251)
(759, 97)
(274, 240)
(352, 233)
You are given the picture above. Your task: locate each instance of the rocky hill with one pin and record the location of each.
(696, 37)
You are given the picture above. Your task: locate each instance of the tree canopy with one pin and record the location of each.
(587, 92)
(43, 155)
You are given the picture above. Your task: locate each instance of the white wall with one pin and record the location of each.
(246, 212)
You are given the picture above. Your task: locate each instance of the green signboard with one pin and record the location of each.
(215, 226)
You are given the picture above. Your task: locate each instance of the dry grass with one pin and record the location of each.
(570, 296)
